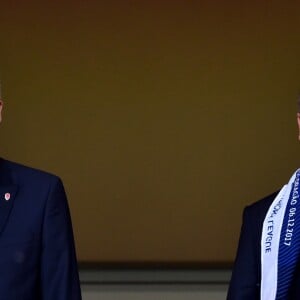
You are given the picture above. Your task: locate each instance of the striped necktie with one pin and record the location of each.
(289, 247)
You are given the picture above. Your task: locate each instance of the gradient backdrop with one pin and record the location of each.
(163, 118)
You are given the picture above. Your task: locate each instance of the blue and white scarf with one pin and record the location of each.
(280, 243)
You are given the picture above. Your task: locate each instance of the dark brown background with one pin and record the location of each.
(163, 118)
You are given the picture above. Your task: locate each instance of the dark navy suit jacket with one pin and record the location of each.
(246, 273)
(37, 253)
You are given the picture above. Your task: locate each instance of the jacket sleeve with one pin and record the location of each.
(59, 274)
(245, 282)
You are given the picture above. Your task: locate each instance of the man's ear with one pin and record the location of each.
(1, 107)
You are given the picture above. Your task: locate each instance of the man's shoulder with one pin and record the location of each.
(261, 206)
(264, 202)
(22, 171)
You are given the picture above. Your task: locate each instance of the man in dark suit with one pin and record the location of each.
(37, 253)
(246, 274)
(245, 282)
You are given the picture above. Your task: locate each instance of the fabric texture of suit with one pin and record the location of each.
(246, 273)
(37, 253)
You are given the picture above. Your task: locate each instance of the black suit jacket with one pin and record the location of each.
(246, 273)
(37, 253)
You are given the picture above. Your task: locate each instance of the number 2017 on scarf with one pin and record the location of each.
(290, 225)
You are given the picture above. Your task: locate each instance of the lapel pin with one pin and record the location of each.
(7, 196)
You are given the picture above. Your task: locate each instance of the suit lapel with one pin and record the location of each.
(8, 191)
(7, 197)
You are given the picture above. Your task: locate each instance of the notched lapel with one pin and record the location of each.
(7, 199)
